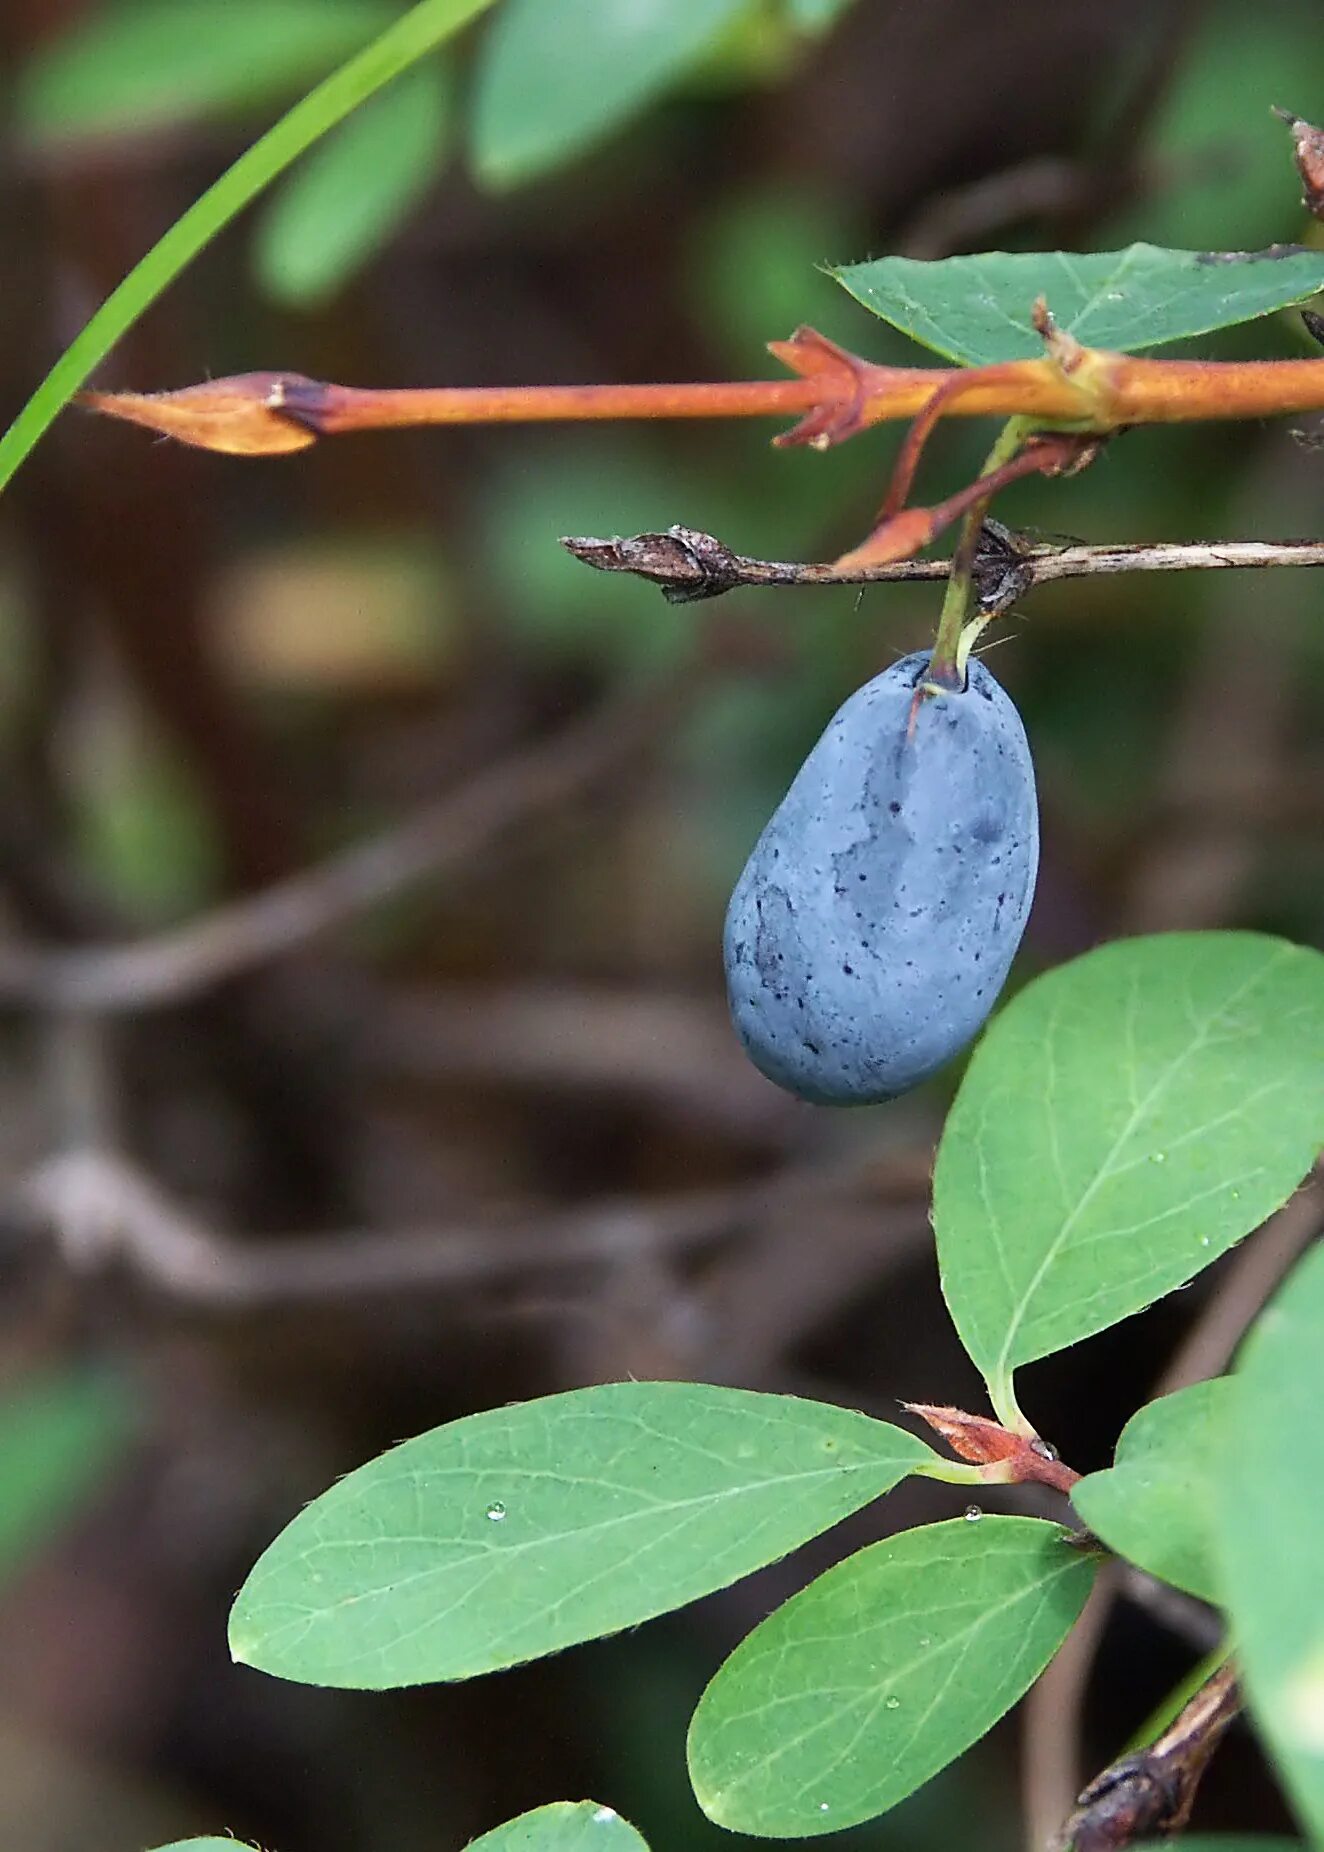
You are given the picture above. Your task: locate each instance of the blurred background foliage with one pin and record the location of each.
(219, 672)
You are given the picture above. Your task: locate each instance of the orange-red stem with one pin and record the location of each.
(346, 408)
(836, 394)
(1138, 392)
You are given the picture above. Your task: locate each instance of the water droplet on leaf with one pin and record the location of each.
(973, 1514)
(892, 1704)
(496, 1511)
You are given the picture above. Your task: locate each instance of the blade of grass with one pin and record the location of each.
(419, 31)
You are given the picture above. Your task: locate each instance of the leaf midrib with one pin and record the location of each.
(1104, 1172)
(498, 1555)
(877, 1696)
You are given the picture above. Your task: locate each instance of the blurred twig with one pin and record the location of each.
(652, 1044)
(1234, 709)
(443, 836)
(689, 564)
(1044, 187)
(102, 1211)
(1050, 1749)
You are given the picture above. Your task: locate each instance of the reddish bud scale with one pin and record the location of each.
(1308, 142)
(1009, 1457)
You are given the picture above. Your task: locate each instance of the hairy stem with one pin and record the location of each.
(947, 663)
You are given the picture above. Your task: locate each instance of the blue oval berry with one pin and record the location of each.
(877, 918)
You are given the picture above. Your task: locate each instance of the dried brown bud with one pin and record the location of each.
(1060, 346)
(242, 416)
(1309, 143)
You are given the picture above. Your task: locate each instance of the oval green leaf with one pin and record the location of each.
(977, 310)
(563, 1826)
(158, 62)
(349, 197)
(1269, 1514)
(1155, 1506)
(1125, 1120)
(514, 1533)
(555, 79)
(880, 1673)
(204, 1845)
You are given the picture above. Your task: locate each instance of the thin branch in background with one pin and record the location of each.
(689, 564)
(442, 837)
(1046, 187)
(1149, 1795)
(663, 1046)
(1233, 708)
(1049, 1718)
(101, 1212)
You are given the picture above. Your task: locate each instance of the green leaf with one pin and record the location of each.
(411, 37)
(1155, 1506)
(881, 1672)
(555, 79)
(59, 1435)
(1125, 1120)
(563, 1826)
(354, 192)
(513, 1533)
(1270, 1517)
(976, 310)
(204, 1845)
(158, 62)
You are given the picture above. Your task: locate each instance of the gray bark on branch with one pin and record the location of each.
(689, 565)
